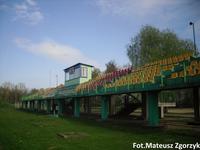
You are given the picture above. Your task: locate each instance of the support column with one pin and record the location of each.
(60, 107)
(196, 103)
(45, 105)
(42, 105)
(144, 105)
(112, 105)
(53, 106)
(76, 107)
(30, 103)
(153, 113)
(23, 105)
(26, 104)
(33, 105)
(38, 105)
(104, 107)
(48, 104)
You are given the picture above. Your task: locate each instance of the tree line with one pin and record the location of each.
(12, 92)
(151, 44)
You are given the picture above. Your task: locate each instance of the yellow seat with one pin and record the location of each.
(174, 75)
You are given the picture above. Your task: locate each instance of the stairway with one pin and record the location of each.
(127, 109)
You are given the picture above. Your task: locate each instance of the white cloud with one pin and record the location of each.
(54, 50)
(29, 12)
(31, 2)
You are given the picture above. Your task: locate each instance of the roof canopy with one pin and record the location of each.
(76, 66)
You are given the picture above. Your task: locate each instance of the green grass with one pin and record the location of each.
(23, 130)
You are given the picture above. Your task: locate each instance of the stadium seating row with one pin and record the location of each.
(104, 79)
(192, 70)
(143, 74)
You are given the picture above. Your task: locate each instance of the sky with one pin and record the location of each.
(40, 38)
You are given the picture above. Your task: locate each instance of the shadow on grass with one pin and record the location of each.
(133, 128)
(128, 127)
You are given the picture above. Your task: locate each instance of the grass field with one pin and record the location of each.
(23, 130)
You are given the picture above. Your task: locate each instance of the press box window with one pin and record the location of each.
(84, 72)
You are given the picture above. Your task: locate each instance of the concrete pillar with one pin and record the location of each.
(31, 105)
(112, 105)
(34, 105)
(45, 105)
(196, 103)
(105, 107)
(38, 105)
(153, 113)
(54, 107)
(42, 105)
(144, 105)
(60, 107)
(77, 107)
(23, 105)
(48, 106)
(26, 104)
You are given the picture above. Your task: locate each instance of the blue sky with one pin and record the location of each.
(41, 38)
